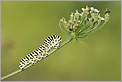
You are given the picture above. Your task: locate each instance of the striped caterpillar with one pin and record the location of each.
(51, 42)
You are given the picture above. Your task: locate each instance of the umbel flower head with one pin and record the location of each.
(83, 23)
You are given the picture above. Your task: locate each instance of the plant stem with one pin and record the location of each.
(11, 74)
(51, 52)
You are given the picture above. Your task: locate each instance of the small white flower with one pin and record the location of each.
(92, 8)
(77, 11)
(77, 14)
(83, 9)
(86, 10)
(61, 20)
(81, 14)
(102, 18)
(95, 10)
(71, 16)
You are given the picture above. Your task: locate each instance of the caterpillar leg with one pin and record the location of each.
(21, 66)
(24, 62)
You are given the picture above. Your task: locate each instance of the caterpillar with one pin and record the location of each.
(51, 42)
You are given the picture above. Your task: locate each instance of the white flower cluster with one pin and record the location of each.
(84, 22)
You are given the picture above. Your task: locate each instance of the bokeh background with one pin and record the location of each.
(25, 25)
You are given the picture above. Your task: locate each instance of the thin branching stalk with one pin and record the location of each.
(51, 52)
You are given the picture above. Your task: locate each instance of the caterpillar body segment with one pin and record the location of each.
(51, 42)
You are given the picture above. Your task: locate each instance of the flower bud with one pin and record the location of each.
(77, 14)
(71, 16)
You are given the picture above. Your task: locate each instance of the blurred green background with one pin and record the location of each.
(25, 25)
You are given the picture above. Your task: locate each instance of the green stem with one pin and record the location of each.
(11, 74)
(51, 52)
